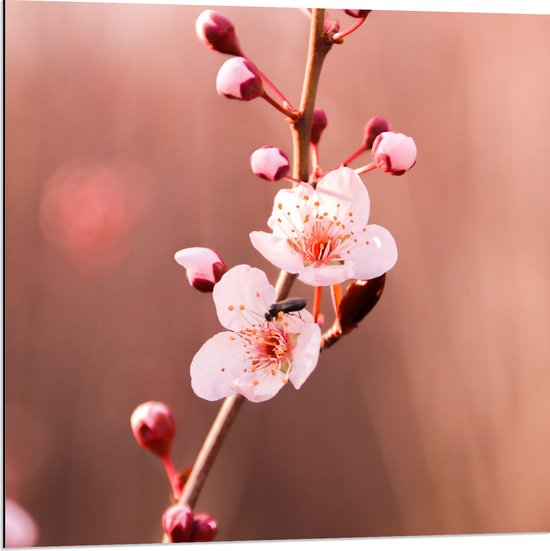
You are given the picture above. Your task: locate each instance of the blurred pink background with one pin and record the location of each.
(432, 418)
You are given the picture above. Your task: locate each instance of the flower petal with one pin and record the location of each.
(266, 387)
(290, 207)
(376, 258)
(326, 275)
(306, 354)
(342, 193)
(242, 297)
(277, 250)
(216, 365)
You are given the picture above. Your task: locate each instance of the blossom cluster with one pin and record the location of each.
(319, 231)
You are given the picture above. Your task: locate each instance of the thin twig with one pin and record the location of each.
(319, 46)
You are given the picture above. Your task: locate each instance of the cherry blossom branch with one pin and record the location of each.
(319, 46)
(301, 129)
(209, 450)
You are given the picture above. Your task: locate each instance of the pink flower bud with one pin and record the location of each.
(205, 528)
(154, 427)
(204, 267)
(20, 528)
(239, 79)
(358, 14)
(318, 124)
(375, 126)
(177, 523)
(217, 32)
(394, 153)
(269, 163)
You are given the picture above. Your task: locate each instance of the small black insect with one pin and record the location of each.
(286, 306)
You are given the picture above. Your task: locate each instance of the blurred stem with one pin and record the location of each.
(354, 155)
(318, 293)
(301, 128)
(172, 474)
(336, 293)
(316, 169)
(366, 168)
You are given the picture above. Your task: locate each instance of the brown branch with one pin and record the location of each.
(319, 46)
(301, 129)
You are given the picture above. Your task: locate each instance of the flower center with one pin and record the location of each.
(321, 243)
(273, 345)
(320, 237)
(269, 349)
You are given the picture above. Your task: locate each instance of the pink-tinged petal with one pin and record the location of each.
(216, 365)
(259, 388)
(290, 207)
(378, 256)
(277, 250)
(306, 354)
(204, 267)
(342, 193)
(242, 297)
(297, 320)
(326, 275)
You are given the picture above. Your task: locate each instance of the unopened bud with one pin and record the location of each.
(177, 523)
(154, 427)
(318, 124)
(394, 153)
(373, 128)
(358, 14)
(205, 528)
(269, 163)
(217, 32)
(360, 298)
(239, 79)
(20, 528)
(204, 267)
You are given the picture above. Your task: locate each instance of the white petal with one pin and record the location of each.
(376, 258)
(290, 207)
(306, 354)
(268, 386)
(223, 351)
(326, 275)
(277, 250)
(199, 259)
(199, 263)
(242, 297)
(342, 193)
